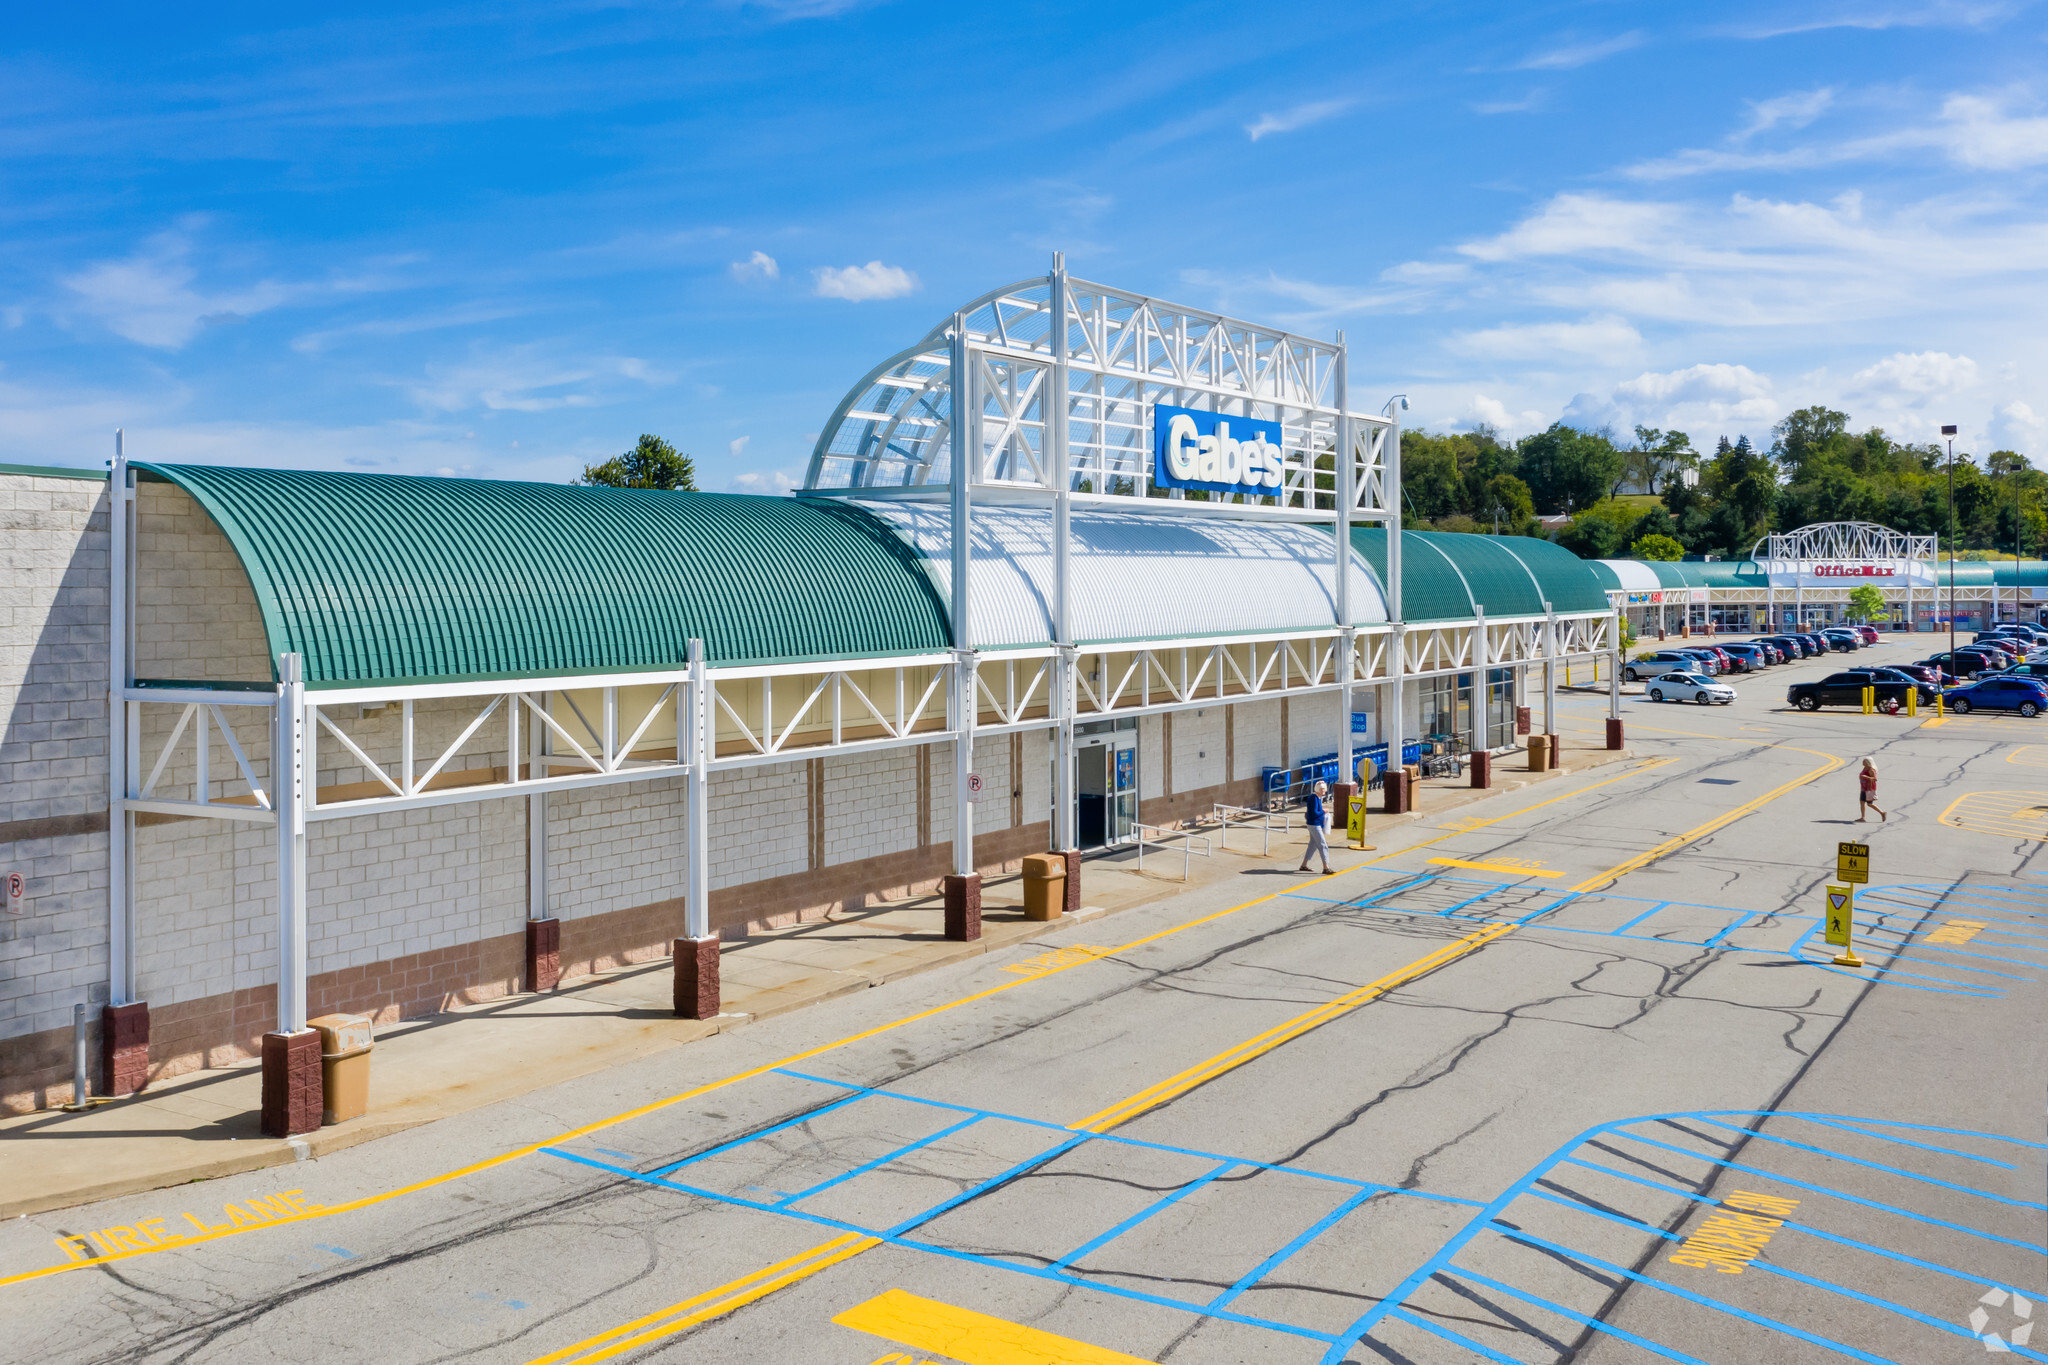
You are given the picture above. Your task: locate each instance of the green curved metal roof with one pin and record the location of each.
(1443, 572)
(1570, 583)
(375, 578)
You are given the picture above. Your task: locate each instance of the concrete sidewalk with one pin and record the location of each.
(204, 1124)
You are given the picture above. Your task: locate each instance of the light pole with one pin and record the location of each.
(1950, 433)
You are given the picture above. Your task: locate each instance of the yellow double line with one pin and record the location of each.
(630, 1336)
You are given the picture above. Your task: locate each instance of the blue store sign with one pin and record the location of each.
(1224, 454)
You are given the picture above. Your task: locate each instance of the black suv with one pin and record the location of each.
(1845, 689)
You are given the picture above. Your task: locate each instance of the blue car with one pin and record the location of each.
(2027, 696)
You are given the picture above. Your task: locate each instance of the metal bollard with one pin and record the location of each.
(81, 1087)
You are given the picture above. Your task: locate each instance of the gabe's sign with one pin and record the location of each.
(1224, 454)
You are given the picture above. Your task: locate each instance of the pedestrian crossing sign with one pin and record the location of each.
(1841, 910)
(1852, 862)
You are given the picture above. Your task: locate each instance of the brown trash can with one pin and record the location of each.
(1045, 886)
(1539, 753)
(345, 1043)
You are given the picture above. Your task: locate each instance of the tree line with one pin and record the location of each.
(1719, 504)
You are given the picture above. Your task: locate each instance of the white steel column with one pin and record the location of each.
(537, 815)
(1549, 670)
(1479, 688)
(1346, 494)
(965, 453)
(1614, 672)
(1396, 724)
(1059, 460)
(288, 789)
(693, 737)
(123, 758)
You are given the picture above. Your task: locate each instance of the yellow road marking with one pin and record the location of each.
(2012, 815)
(965, 1335)
(712, 1303)
(1231, 1058)
(515, 1154)
(1957, 931)
(2029, 756)
(1499, 865)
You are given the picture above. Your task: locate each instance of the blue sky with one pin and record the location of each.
(503, 241)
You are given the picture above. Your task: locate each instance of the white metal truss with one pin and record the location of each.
(1862, 542)
(1123, 353)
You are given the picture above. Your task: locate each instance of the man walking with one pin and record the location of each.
(1318, 826)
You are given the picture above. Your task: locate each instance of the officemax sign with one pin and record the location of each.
(1854, 570)
(1224, 454)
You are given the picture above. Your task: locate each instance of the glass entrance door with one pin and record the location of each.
(1106, 787)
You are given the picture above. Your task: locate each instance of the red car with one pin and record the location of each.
(1922, 672)
(1869, 634)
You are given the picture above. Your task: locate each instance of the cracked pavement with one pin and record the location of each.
(1500, 1154)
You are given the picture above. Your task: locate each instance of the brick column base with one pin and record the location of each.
(1614, 732)
(1482, 768)
(696, 963)
(1555, 758)
(293, 1095)
(1073, 902)
(1521, 720)
(124, 1048)
(543, 954)
(963, 908)
(1394, 791)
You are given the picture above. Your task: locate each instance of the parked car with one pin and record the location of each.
(1662, 661)
(1845, 689)
(1869, 634)
(1794, 647)
(1748, 658)
(2012, 645)
(2020, 671)
(1921, 673)
(1847, 641)
(2030, 630)
(1774, 653)
(1962, 664)
(1926, 688)
(1814, 641)
(1693, 687)
(2023, 695)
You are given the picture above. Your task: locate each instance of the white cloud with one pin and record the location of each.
(1300, 116)
(150, 298)
(780, 482)
(2015, 427)
(1860, 14)
(1705, 401)
(759, 268)
(524, 379)
(737, 447)
(1595, 338)
(1570, 55)
(858, 283)
(1978, 131)
(1919, 376)
(1794, 110)
(1535, 99)
(1480, 410)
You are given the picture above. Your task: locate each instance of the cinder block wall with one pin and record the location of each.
(413, 912)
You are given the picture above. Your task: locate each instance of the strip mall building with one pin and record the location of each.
(280, 743)
(1802, 579)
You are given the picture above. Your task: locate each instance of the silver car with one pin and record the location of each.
(1691, 687)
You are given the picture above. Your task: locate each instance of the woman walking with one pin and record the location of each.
(1867, 788)
(1318, 822)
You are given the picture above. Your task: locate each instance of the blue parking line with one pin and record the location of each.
(1458, 1339)
(1906, 1142)
(1735, 924)
(1306, 1174)
(1760, 1263)
(1557, 904)
(1286, 1253)
(1058, 1149)
(1935, 1128)
(1680, 1292)
(1623, 930)
(1569, 1315)
(1898, 1171)
(883, 1160)
(1096, 1243)
(1783, 1179)
(755, 1137)
(894, 1239)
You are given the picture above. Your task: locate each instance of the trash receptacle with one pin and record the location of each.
(1045, 885)
(345, 1043)
(1539, 753)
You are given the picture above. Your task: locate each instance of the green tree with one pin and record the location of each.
(1568, 470)
(1868, 603)
(653, 463)
(1657, 547)
(1806, 433)
(1508, 498)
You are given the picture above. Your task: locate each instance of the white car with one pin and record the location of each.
(1690, 687)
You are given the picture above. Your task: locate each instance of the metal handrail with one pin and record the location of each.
(1222, 814)
(1187, 845)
